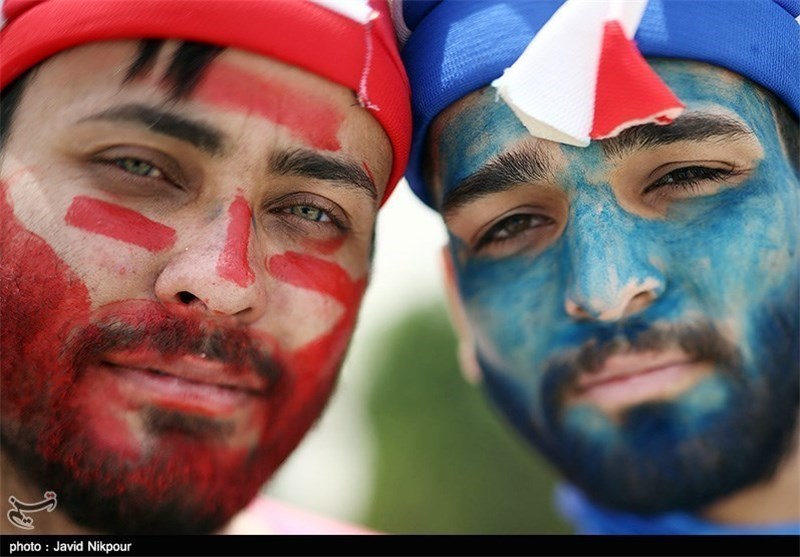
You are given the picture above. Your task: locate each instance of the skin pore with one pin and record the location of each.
(180, 281)
(632, 306)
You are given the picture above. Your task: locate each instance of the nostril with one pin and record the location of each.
(639, 302)
(576, 311)
(186, 297)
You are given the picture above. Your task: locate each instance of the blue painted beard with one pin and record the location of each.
(656, 459)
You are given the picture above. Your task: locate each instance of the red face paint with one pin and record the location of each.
(319, 275)
(325, 277)
(40, 298)
(62, 407)
(233, 263)
(369, 172)
(119, 223)
(310, 117)
(318, 362)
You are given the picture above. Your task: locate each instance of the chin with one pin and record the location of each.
(668, 456)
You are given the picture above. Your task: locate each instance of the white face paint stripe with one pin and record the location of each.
(357, 10)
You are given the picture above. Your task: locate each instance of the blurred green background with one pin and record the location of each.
(445, 461)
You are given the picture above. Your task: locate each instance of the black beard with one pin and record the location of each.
(184, 496)
(659, 462)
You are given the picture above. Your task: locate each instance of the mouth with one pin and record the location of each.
(188, 383)
(626, 379)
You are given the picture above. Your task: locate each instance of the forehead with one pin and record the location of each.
(102, 68)
(479, 126)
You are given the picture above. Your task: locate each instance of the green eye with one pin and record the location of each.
(138, 167)
(309, 212)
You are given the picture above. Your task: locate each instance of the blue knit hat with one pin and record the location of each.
(455, 47)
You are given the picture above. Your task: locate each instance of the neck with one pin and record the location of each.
(12, 483)
(775, 500)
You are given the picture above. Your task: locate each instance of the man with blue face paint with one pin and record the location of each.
(626, 289)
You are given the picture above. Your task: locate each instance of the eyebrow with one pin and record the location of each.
(310, 164)
(203, 136)
(694, 126)
(501, 173)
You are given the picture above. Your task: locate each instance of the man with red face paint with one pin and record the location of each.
(188, 194)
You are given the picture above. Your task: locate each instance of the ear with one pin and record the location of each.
(458, 317)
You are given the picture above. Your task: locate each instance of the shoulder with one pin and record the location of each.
(270, 516)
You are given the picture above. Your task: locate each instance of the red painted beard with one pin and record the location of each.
(129, 464)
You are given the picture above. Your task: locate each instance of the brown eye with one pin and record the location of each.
(512, 228)
(690, 176)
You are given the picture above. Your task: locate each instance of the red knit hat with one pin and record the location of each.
(349, 42)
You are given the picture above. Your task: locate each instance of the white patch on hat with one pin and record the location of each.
(551, 87)
(357, 10)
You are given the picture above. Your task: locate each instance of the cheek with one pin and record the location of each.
(742, 248)
(326, 282)
(112, 247)
(515, 307)
(316, 362)
(322, 247)
(119, 223)
(43, 301)
(100, 241)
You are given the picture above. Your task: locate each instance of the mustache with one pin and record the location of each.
(701, 341)
(174, 336)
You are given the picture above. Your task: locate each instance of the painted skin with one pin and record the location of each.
(633, 305)
(177, 299)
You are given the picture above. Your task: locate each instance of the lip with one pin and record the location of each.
(630, 378)
(187, 383)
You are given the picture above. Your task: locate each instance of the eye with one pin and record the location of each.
(138, 167)
(310, 212)
(513, 233)
(695, 179)
(139, 171)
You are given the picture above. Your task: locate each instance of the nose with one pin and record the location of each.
(611, 275)
(211, 272)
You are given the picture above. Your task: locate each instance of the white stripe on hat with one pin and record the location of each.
(551, 85)
(357, 10)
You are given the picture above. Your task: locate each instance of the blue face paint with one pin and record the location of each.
(710, 271)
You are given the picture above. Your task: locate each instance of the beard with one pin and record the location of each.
(186, 476)
(676, 455)
(180, 473)
(172, 471)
